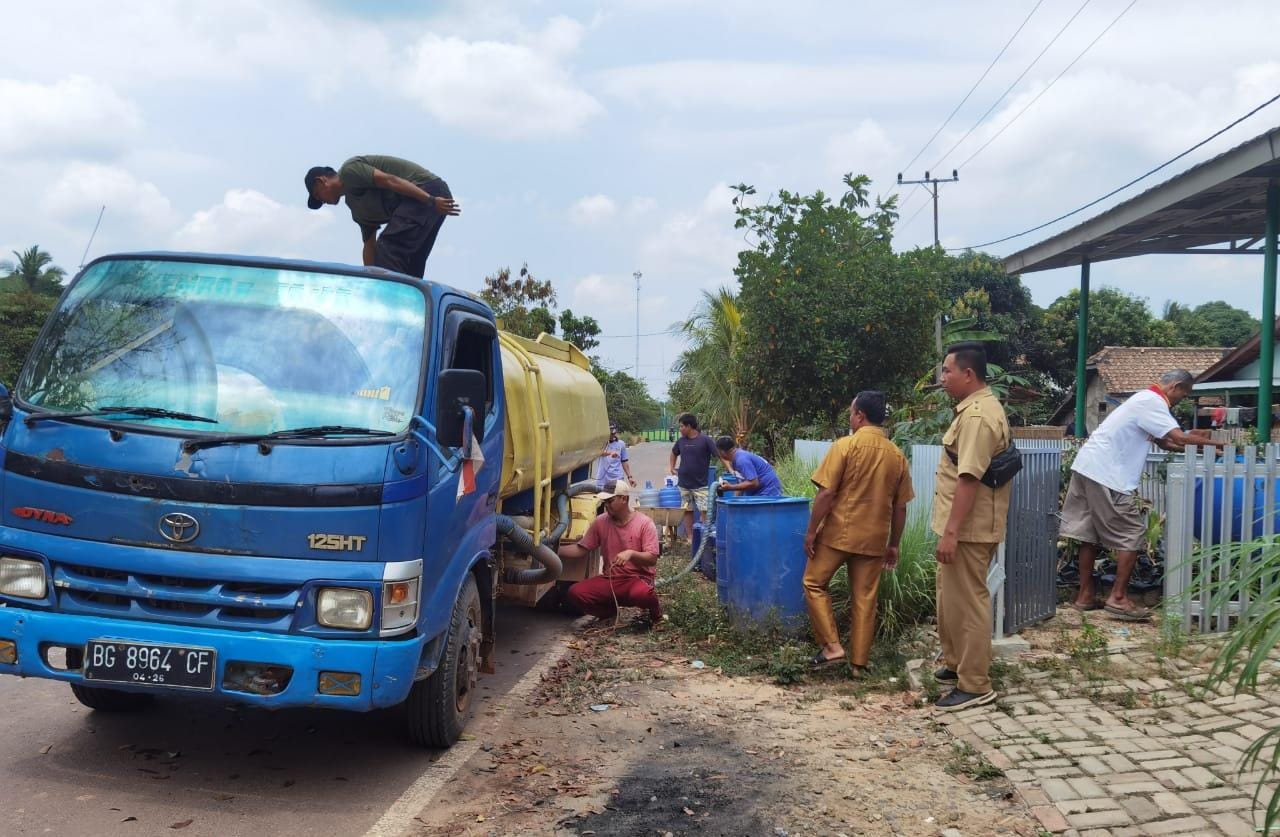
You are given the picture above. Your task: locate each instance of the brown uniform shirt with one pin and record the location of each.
(979, 431)
(869, 476)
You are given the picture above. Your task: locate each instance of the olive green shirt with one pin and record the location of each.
(370, 206)
(979, 431)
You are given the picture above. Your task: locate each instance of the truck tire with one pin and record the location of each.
(439, 706)
(110, 700)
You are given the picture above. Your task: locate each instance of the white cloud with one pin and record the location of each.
(596, 292)
(76, 114)
(866, 148)
(593, 209)
(641, 205)
(763, 87)
(247, 221)
(138, 44)
(503, 89)
(83, 188)
(695, 242)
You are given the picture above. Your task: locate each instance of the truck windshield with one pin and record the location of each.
(256, 349)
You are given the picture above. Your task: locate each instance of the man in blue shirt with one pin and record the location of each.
(756, 477)
(614, 465)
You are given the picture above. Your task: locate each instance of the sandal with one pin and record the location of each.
(820, 661)
(1094, 605)
(1128, 614)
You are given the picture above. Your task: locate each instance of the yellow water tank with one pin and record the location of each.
(555, 408)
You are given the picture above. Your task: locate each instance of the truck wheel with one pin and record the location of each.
(439, 706)
(110, 700)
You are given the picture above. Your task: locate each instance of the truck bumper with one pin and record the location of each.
(386, 668)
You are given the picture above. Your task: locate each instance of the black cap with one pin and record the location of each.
(309, 181)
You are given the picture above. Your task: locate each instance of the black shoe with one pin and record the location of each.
(946, 675)
(955, 700)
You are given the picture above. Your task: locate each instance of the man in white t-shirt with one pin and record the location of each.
(1101, 508)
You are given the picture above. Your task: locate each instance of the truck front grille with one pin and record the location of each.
(194, 601)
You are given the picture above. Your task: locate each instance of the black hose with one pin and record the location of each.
(522, 541)
(562, 509)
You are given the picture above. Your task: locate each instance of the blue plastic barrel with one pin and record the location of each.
(1237, 509)
(760, 559)
(707, 563)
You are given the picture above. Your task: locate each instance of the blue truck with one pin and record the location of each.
(284, 484)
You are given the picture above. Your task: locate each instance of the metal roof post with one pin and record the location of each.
(1266, 350)
(1082, 349)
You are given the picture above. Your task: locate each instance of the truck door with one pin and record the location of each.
(460, 524)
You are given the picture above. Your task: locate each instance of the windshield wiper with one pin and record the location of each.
(139, 412)
(262, 439)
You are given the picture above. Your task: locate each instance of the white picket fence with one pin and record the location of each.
(1236, 503)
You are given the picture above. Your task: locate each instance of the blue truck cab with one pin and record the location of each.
(240, 478)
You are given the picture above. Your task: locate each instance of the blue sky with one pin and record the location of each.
(592, 140)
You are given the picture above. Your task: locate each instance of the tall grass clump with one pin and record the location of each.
(1246, 575)
(794, 474)
(906, 595)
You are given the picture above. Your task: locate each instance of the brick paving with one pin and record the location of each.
(1128, 755)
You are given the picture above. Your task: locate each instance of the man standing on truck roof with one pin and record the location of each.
(384, 191)
(695, 450)
(629, 543)
(614, 464)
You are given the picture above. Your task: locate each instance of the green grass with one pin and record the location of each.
(794, 474)
(906, 594)
(969, 762)
(906, 600)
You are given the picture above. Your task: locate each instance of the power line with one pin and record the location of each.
(630, 336)
(914, 214)
(1119, 189)
(981, 78)
(1009, 89)
(1050, 84)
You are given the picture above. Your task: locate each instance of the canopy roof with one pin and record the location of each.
(1217, 207)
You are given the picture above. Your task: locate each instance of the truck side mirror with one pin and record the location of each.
(455, 389)
(6, 406)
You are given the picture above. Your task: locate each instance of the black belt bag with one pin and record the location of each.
(1003, 467)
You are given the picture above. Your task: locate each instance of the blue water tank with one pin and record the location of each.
(707, 563)
(760, 559)
(669, 497)
(1237, 509)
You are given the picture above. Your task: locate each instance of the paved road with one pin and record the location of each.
(67, 770)
(649, 461)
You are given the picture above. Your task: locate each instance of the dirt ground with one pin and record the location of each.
(623, 739)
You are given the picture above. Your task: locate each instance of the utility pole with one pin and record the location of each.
(932, 184)
(636, 370)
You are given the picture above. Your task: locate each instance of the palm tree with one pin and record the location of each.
(33, 272)
(713, 363)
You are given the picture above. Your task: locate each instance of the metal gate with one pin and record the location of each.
(1031, 545)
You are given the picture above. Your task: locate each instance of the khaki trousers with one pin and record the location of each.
(864, 585)
(964, 615)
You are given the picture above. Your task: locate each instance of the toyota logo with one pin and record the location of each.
(179, 527)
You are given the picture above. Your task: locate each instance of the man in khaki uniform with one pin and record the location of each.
(864, 485)
(969, 519)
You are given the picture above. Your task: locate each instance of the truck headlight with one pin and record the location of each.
(22, 578)
(344, 607)
(399, 606)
